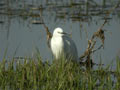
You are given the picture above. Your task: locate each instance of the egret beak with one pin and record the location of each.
(66, 34)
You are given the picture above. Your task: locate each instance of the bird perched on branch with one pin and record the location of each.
(62, 45)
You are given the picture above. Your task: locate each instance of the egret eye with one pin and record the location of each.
(61, 32)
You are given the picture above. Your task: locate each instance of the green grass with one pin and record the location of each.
(32, 74)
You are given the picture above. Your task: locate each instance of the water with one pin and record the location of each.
(20, 36)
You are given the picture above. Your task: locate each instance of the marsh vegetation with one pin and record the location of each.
(33, 74)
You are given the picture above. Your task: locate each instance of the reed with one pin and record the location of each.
(59, 75)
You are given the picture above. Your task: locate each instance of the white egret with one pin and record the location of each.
(62, 44)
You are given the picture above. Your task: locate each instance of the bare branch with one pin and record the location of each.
(49, 35)
(91, 43)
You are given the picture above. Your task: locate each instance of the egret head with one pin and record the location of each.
(58, 32)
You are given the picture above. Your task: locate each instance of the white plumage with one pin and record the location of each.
(61, 44)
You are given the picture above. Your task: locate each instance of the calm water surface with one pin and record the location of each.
(20, 36)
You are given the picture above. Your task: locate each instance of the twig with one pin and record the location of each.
(97, 48)
(49, 35)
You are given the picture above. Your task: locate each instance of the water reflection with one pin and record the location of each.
(21, 27)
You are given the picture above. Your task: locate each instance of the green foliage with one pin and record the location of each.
(60, 75)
